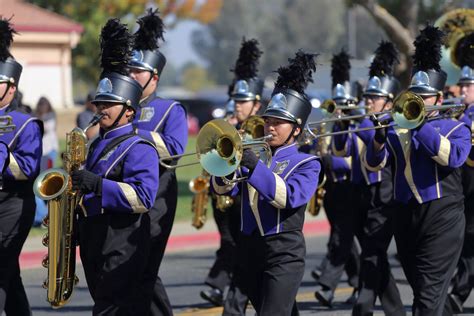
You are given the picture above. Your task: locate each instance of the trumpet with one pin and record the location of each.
(329, 107)
(408, 112)
(219, 149)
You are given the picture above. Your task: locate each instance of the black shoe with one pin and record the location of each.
(456, 303)
(324, 296)
(215, 296)
(316, 274)
(353, 298)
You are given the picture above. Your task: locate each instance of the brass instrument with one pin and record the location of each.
(316, 202)
(200, 187)
(55, 186)
(408, 111)
(6, 124)
(219, 149)
(456, 24)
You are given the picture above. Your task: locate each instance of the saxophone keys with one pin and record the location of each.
(46, 240)
(45, 221)
(45, 261)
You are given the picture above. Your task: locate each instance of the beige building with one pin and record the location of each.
(43, 47)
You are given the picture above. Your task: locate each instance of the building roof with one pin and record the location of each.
(28, 17)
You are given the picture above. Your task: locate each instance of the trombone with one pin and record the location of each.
(219, 148)
(408, 112)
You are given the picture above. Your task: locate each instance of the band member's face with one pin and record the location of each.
(7, 92)
(376, 103)
(280, 130)
(111, 111)
(432, 100)
(143, 76)
(244, 109)
(467, 91)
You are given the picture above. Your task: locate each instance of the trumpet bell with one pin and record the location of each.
(51, 183)
(408, 110)
(219, 148)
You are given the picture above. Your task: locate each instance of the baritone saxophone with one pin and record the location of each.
(55, 187)
(200, 187)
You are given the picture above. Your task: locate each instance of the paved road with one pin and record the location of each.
(183, 274)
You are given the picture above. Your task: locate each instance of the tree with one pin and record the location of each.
(195, 77)
(281, 26)
(93, 14)
(400, 19)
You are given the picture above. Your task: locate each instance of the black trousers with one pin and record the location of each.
(114, 251)
(270, 271)
(161, 222)
(429, 240)
(342, 251)
(16, 217)
(228, 224)
(375, 277)
(463, 280)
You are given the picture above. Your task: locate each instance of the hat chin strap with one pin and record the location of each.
(291, 134)
(149, 80)
(6, 91)
(115, 123)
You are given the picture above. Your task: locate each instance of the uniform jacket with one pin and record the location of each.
(468, 118)
(163, 122)
(129, 172)
(24, 148)
(426, 160)
(355, 146)
(274, 198)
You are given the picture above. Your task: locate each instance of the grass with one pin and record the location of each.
(184, 175)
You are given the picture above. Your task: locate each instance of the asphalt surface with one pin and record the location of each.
(183, 274)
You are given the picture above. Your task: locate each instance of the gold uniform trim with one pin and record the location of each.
(160, 145)
(443, 153)
(132, 198)
(15, 169)
(342, 152)
(380, 166)
(280, 192)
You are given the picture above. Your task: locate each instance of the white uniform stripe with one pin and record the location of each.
(443, 153)
(132, 198)
(280, 192)
(15, 169)
(160, 145)
(404, 136)
(253, 201)
(164, 116)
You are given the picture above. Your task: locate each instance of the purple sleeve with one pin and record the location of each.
(375, 160)
(292, 192)
(341, 144)
(366, 136)
(340, 164)
(137, 191)
(25, 158)
(451, 151)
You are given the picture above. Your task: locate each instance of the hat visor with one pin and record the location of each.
(280, 115)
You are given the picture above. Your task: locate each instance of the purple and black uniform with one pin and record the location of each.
(114, 227)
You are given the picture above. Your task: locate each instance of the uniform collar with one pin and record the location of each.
(4, 109)
(145, 101)
(118, 131)
(286, 150)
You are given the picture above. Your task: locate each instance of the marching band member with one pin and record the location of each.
(271, 248)
(343, 253)
(162, 122)
(246, 93)
(373, 193)
(463, 280)
(426, 160)
(119, 188)
(20, 156)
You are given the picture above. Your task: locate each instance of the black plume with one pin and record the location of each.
(6, 39)
(116, 47)
(428, 49)
(297, 74)
(340, 68)
(246, 66)
(151, 30)
(465, 51)
(386, 56)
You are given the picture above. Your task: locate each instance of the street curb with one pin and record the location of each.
(178, 243)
